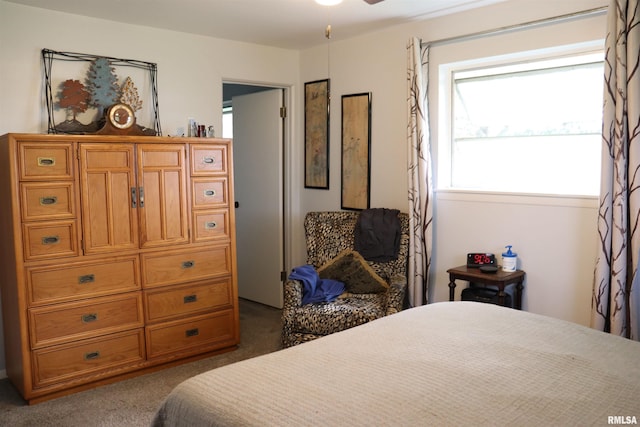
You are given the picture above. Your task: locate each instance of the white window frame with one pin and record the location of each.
(445, 110)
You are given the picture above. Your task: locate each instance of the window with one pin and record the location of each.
(527, 127)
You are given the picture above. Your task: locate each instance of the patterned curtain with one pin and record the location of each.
(420, 180)
(616, 293)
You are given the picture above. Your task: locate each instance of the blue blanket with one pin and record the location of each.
(315, 289)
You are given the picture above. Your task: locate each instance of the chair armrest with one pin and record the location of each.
(292, 300)
(292, 294)
(395, 294)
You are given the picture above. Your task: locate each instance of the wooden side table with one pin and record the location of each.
(500, 278)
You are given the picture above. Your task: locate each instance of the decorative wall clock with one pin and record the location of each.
(120, 120)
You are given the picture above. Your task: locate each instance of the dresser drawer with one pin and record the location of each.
(59, 283)
(50, 240)
(209, 192)
(167, 268)
(60, 323)
(211, 225)
(46, 162)
(208, 159)
(114, 353)
(165, 303)
(47, 200)
(214, 330)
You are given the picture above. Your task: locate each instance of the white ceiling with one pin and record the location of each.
(290, 24)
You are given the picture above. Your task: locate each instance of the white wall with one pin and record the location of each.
(555, 239)
(190, 68)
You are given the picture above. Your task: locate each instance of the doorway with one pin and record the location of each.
(259, 174)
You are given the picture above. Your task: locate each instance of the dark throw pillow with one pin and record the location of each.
(353, 270)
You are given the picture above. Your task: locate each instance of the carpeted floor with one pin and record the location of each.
(133, 402)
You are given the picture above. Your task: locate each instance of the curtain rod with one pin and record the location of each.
(555, 19)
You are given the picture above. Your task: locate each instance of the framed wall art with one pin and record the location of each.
(316, 134)
(79, 88)
(356, 151)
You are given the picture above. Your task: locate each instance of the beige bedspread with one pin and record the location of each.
(458, 364)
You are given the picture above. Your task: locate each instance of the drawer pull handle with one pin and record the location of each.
(190, 298)
(192, 332)
(46, 161)
(87, 278)
(51, 200)
(88, 318)
(134, 198)
(210, 225)
(188, 264)
(209, 193)
(50, 240)
(209, 160)
(92, 355)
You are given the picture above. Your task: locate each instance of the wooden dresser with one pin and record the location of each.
(118, 257)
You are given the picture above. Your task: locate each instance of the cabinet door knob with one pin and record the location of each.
(46, 161)
(192, 332)
(91, 355)
(50, 200)
(50, 240)
(87, 278)
(88, 318)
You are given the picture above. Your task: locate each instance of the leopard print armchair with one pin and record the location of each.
(327, 235)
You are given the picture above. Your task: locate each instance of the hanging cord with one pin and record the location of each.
(327, 34)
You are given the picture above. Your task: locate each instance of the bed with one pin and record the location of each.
(449, 363)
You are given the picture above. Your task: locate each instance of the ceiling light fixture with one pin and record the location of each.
(328, 2)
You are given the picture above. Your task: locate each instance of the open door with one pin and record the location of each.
(258, 180)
